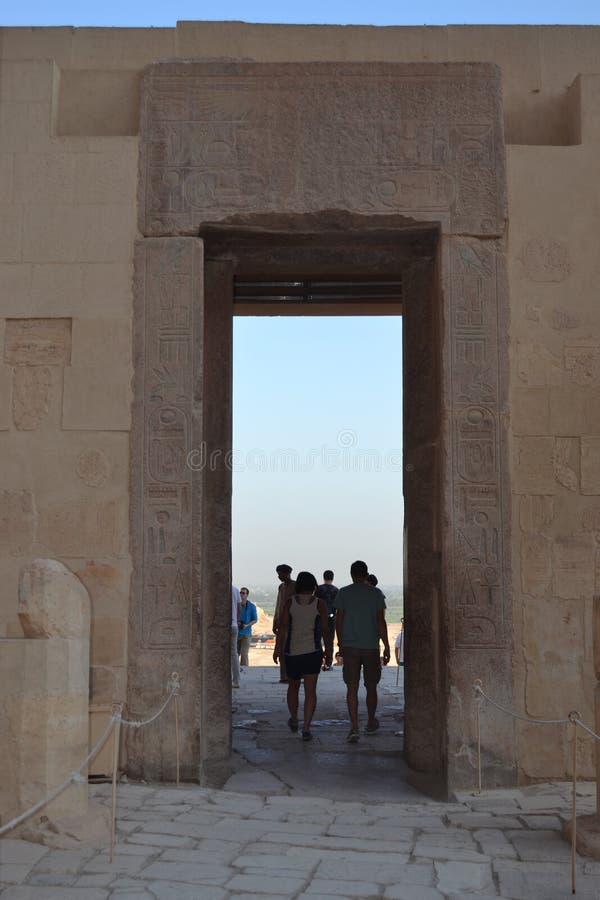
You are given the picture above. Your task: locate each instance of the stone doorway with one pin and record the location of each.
(418, 196)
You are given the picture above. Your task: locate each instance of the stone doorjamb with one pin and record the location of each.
(228, 141)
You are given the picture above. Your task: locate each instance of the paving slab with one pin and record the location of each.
(412, 892)
(314, 840)
(466, 877)
(173, 890)
(52, 879)
(32, 892)
(542, 881)
(333, 888)
(266, 884)
(540, 845)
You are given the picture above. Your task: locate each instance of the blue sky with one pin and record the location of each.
(318, 437)
(375, 12)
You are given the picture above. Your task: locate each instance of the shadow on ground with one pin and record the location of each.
(270, 759)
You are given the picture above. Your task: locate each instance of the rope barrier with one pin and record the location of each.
(116, 720)
(73, 776)
(574, 719)
(174, 687)
(509, 712)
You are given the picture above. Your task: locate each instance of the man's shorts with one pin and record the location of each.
(354, 658)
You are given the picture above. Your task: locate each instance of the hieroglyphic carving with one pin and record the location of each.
(93, 467)
(167, 368)
(227, 138)
(546, 259)
(479, 613)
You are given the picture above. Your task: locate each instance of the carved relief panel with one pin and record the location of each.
(237, 141)
(479, 596)
(163, 628)
(221, 139)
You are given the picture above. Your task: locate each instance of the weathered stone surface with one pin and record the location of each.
(534, 465)
(554, 318)
(590, 464)
(545, 259)
(573, 575)
(52, 601)
(17, 522)
(32, 386)
(44, 694)
(244, 137)
(97, 398)
(38, 342)
(84, 528)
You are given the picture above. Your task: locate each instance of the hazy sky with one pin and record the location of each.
(318, 437)
(375, 12)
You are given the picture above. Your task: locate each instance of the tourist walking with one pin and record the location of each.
(285, 591)
(303, 621)
(360, 626)
(248, 618)
(236, 604)
(328, 592)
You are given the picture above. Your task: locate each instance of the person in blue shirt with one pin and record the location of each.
(248, 618)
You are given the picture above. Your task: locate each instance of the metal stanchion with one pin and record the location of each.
(174, 686)
(573, 717)
(478, 683)
(117, 709)
(176, 737)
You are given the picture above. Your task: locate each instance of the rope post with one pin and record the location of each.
(116, 711)
(477, 685)
(596, 645)
(175, 686)
(573, 717)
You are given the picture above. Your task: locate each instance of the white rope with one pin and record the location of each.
(74, 775)
(573, 717)
(515, 715)
(174, 687)
(588, 729)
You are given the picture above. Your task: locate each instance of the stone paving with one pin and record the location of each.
(295, 840)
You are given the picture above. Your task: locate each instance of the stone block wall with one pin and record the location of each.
(67, 227)
(44, 679)
(68, 179)
(555, 416)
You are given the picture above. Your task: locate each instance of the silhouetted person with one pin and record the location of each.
(328, 592)
(285, 591)
(302, 624)
(360, 625)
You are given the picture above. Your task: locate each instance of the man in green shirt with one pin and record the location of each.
(360, 625)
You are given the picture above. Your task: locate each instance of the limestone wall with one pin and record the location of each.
(69, 107)
(44, 678)
(554, 280)
(67, 227)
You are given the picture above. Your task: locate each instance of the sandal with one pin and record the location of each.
(371, 729)
(306, 735)
(293, 725)
(353, 736)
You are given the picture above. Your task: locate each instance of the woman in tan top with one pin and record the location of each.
(302, 624)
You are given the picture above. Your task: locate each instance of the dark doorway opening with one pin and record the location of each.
(359, 267)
